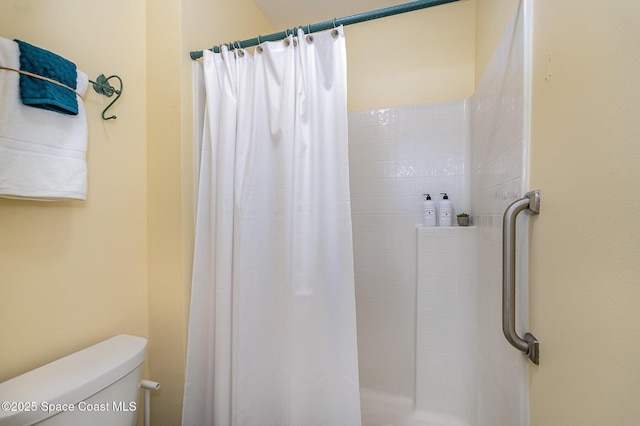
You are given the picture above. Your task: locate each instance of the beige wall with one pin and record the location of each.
(584, 286)
(75, 273)
(166, 266)
(585, 156)
(419, 57)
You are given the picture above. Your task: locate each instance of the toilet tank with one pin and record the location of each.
(95, 386)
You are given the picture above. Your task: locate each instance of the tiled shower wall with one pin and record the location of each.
(397, 154)
(446, 335)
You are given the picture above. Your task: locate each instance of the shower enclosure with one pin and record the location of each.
(429, 300)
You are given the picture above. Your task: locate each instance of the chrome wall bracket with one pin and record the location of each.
(528, 345)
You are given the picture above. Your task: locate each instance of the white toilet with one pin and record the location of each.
(96, 386)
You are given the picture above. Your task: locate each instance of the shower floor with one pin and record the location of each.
(384, 409)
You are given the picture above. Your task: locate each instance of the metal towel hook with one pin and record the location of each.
(102, 87)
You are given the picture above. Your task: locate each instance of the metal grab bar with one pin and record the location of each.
(529, 345)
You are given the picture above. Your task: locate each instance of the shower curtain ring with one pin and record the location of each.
(309, 36)
(334, 31)
(259, 48)
(239, 49)
(286, 38)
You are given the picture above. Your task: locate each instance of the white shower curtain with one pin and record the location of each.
(272, 328)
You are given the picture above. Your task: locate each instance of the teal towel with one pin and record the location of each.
(41, 93)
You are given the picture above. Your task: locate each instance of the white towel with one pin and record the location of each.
(42, 153)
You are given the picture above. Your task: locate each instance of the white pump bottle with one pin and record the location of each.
(428, 211)
(445, 214)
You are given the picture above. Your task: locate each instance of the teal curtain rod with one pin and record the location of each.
(321, 26)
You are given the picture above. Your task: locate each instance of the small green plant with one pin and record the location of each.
(463, 215)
